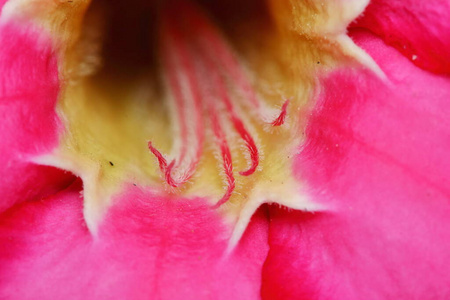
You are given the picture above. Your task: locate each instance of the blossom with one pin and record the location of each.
(355, 209)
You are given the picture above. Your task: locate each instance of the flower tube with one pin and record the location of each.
(207, 150)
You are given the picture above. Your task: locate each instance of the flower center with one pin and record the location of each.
(190, 99)
(179, 98)
(196, 56)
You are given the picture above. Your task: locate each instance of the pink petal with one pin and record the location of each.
(378, 156)
(420, 30)
(148, 247)
(29, 89)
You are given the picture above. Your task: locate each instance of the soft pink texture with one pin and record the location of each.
(419, 29)
(148, 247)
(28, 92)
(378, 156)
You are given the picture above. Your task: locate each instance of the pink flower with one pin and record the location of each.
(364, 214)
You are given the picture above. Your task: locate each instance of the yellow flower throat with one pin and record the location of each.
(190, 99)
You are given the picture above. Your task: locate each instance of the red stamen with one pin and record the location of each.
(165, 169)
(161, 160)
(211, 108)
(170, 65)
(282, 117)
(188, 70)
(168, 175)
(210, 37)
(226, 155)
(180, 105)
(237, 122)
(215, 58)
